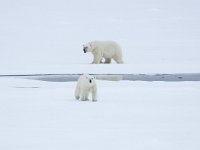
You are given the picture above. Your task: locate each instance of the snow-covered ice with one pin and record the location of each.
(46, 37)
(128, 115)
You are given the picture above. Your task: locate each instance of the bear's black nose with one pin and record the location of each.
(90, 81)
(84, 50)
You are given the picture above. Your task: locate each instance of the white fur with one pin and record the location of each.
(104, 49)
(86, 84)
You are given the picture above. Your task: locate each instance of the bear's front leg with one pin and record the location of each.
(84, 96)
(97, 58)
(77, 92)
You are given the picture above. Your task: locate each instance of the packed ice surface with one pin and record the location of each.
(128, 115)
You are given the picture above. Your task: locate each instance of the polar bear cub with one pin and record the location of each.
(86, 84)
(107, 50)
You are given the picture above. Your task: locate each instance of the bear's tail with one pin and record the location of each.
(109, 77)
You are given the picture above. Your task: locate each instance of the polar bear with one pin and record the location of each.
(104, 49)
(86, 84)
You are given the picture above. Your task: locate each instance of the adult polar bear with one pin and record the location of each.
(104, 49)
(86, 84)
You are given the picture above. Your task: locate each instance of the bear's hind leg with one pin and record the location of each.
(119, 61)
(77, 97)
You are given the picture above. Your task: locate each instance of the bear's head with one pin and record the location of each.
(91, 80)
(87, 47)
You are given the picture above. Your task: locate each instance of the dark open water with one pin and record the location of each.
(130, 77)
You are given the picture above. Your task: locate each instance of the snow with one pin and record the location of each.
(101, 69)
(46, 37)
(128, 115)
